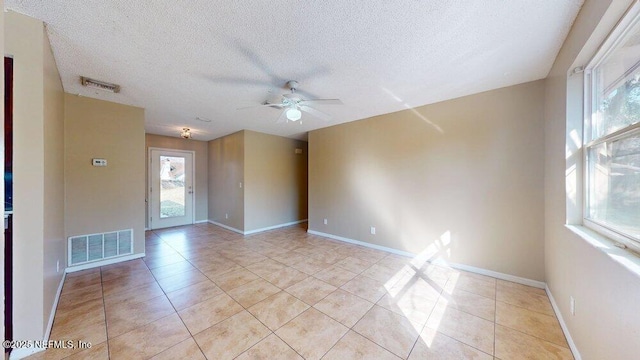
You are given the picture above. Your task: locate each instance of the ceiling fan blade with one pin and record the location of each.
(321, 101)
(283, 117)
(317, 113)
(276, 106)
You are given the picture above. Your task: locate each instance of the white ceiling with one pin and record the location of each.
(185, 59)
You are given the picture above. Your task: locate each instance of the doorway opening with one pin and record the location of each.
(171, 188)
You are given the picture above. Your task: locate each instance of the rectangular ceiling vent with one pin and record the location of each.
(101, 85)
(95, 247)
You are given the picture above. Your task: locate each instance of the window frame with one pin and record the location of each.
(620, 33)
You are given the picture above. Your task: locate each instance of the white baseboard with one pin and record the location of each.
(54, 307)
(104, 262)
(495, 274)
(22, 353)
(201, 221)
(563, 325)
(256, 230)
(226, 227)
(362, 243)
(275, 227)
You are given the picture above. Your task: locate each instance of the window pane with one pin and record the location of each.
(617, 88)
(172, 189)
(614, 184)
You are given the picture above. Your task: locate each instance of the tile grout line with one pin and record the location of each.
(104, 309)
(373, 341)
(495, 319)
(176, 312)
(290, 241)
(226, 293)
(522, 332)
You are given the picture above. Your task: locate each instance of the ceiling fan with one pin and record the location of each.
(293, 105)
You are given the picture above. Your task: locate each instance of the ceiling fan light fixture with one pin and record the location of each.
(294, 114)
(186, 133)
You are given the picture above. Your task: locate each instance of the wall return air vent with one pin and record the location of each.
(101, 85)
(95, 247)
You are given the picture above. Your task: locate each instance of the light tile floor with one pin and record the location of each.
(204, 292)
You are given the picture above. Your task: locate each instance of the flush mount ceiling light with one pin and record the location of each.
(186, 133)
(294, 114)
(101, 85)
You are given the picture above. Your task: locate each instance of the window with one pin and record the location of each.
(612, 136)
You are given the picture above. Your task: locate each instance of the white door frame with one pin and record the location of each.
(150, 181)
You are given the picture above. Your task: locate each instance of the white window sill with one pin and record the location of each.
(628, 258)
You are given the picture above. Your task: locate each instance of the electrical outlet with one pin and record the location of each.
(573, 305)
(58, 266)
(226, 216)
(325, 221)
(240, 184)
(373, 230)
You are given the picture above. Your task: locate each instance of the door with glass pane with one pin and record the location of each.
(171, 188)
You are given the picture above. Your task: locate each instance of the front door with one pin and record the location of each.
(171, 188)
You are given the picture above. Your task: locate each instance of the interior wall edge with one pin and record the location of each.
(563, 325)
(54, 306)
(422, 258)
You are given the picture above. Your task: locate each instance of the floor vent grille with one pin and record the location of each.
(94, 247)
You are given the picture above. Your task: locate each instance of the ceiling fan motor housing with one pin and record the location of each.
(292, 85)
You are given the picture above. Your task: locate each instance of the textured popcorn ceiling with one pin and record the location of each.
(185, 59)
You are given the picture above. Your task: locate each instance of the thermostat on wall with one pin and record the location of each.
(99, 162)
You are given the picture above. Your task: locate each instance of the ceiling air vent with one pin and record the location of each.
(99, 84)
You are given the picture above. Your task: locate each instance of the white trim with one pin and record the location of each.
(256, 230)
(362, 243)
(627, 257)
(226, 227)
(110, 261)
(613, 235)
(495, 274)
(146, 229)
(54, 307)
(621, 32)
(563, 325)
(201, 221)
(275, 227)
(24, 352)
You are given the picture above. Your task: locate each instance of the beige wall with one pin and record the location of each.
(100, 199)
(606, 324)
(38, 225)
(54, 234)
(226, 173)
(23, 41)
(201, 168)
(464, 176)
(275, 180)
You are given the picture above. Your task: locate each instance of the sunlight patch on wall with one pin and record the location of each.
(412, 109)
